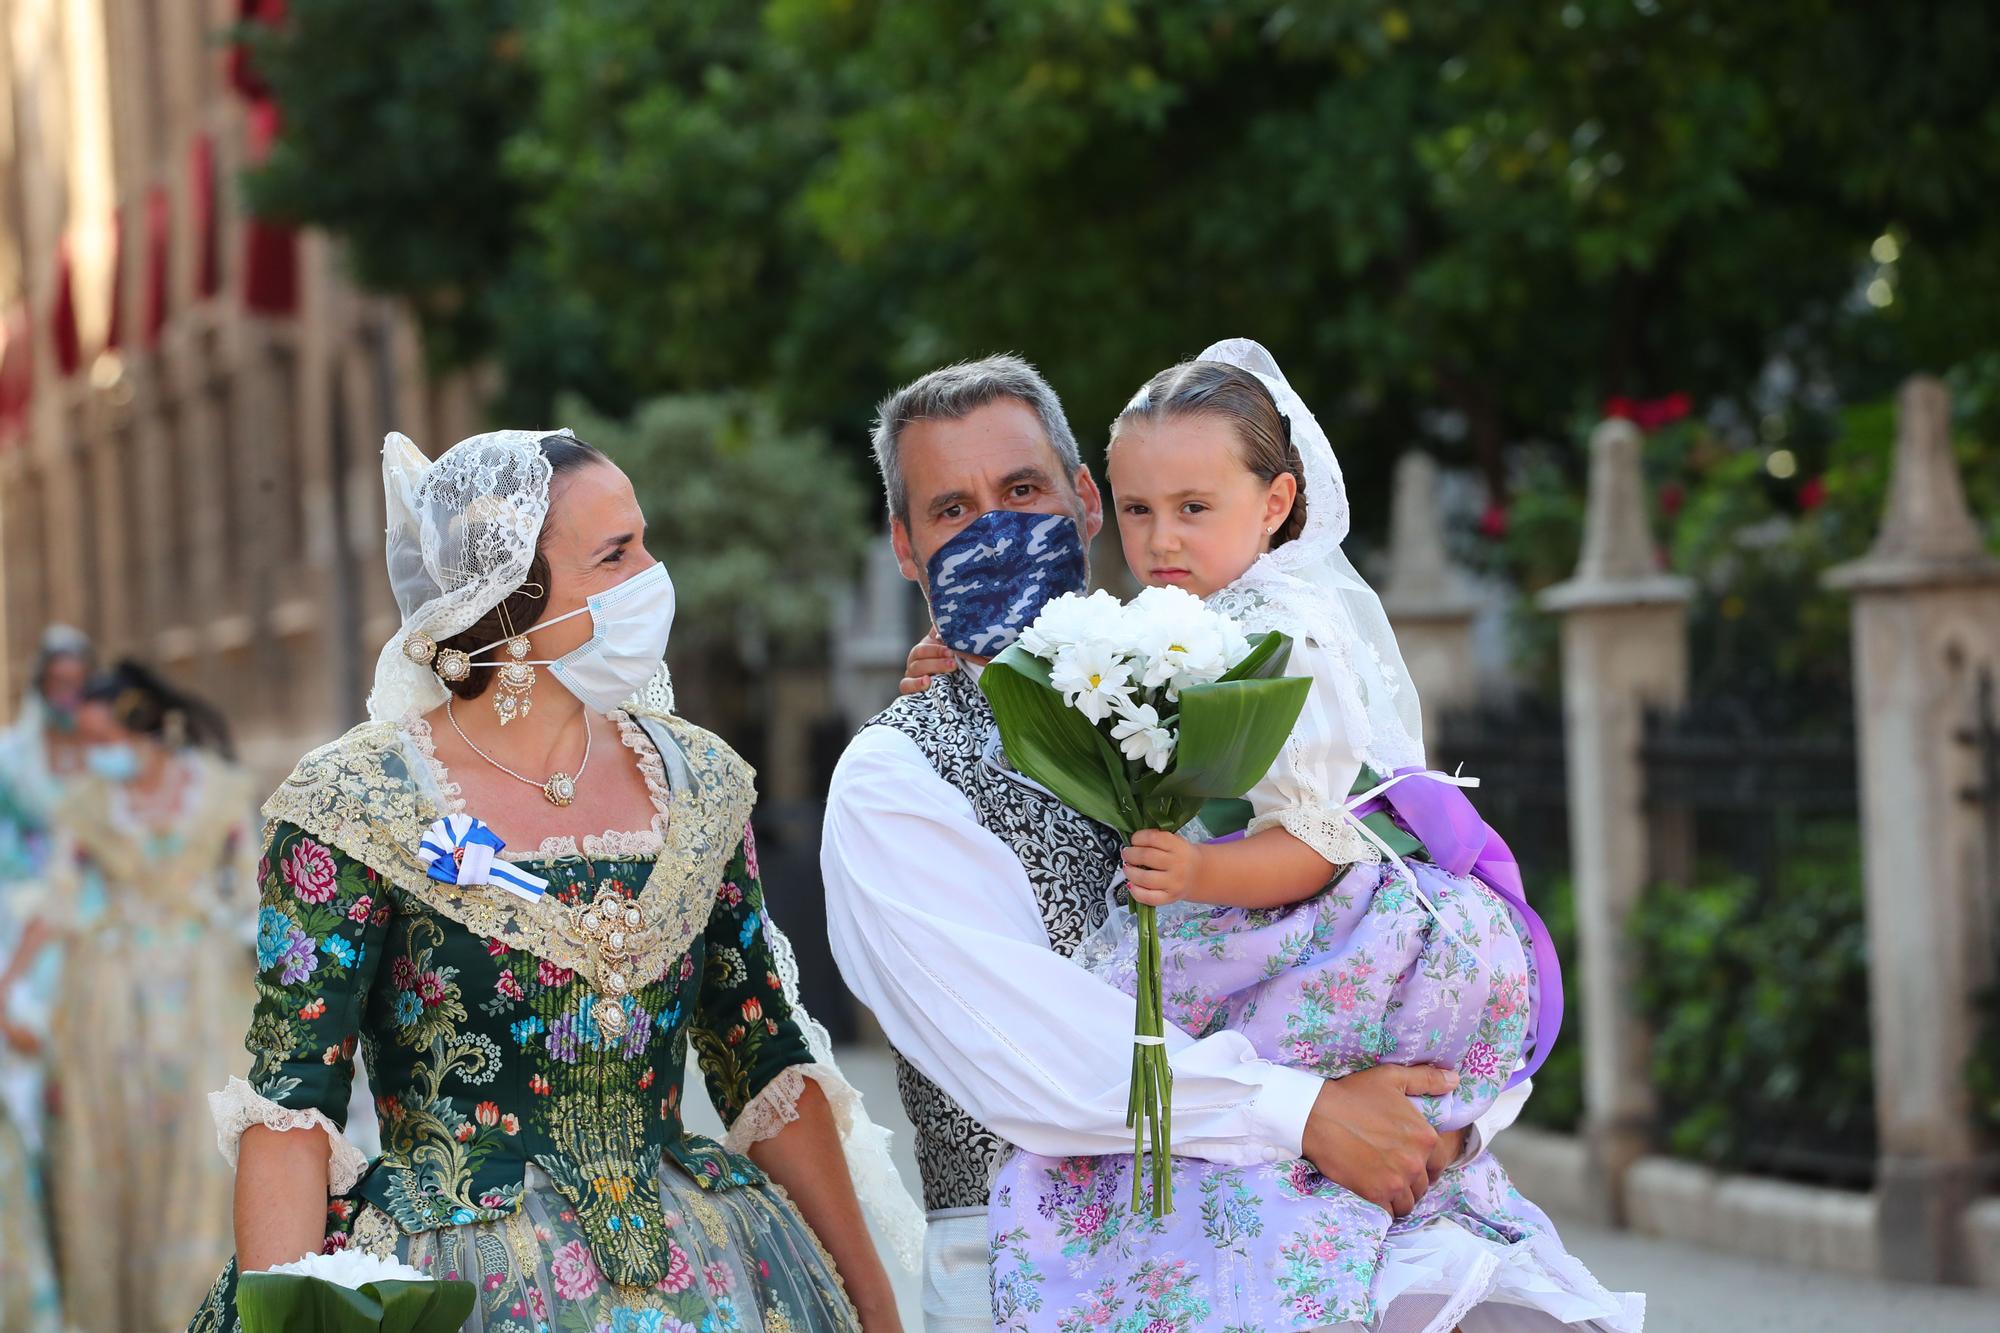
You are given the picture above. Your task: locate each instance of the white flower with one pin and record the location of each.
(1180, 641)
(1095, 679)
(1141, 736)
(1072, 619)
(352, 1269)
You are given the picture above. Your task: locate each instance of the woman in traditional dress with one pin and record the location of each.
(39, 753)
(522, 892)
(147, 887)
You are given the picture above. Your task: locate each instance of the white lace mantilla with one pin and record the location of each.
(238, 1106)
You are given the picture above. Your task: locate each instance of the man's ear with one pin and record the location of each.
(906, 556)
(1093, 505)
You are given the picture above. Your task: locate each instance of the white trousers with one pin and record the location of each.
(957, 1298)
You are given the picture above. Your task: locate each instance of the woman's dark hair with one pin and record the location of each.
(523, 607)
(1239, 398)
(145, 704)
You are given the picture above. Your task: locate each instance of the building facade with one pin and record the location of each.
(192, 399)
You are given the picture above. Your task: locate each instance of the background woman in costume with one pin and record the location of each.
(39, 753)
(148, 883)
(523, 893)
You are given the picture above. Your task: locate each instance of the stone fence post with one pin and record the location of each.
(1426, 598)
(1926, 624)
(1624, 651)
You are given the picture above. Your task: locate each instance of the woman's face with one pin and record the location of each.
(63, 681)
(97, 724)
(594, 539)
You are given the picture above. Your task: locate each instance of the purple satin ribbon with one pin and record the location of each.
(1459, 842)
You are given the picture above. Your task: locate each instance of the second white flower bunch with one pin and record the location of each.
(1126, 663)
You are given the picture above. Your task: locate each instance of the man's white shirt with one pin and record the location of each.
(935, 928)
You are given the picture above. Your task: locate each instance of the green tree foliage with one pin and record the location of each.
(1510, 212)
(755, 520)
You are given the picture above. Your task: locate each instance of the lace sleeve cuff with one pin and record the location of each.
(239, 1106)
(778, 1104)
(1328, 832)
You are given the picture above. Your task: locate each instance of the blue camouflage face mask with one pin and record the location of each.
(989, 582)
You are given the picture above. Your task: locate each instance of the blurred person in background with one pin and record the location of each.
(148, 887)
(39, 752)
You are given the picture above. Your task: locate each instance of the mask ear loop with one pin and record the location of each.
(477, 653)
(514, 697)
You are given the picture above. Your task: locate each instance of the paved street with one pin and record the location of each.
(1689, 1290)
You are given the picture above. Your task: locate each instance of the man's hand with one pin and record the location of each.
(1160, 867)
(1366, 1134)
(927, 661)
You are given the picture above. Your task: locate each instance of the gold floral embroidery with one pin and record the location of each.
(373, 792)
(375, 1232)
(710, 1217)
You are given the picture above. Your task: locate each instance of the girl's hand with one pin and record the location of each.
(1160, 867)
(928, 660)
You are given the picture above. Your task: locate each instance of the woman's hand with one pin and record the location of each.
(1161, 867)
(19, 1039)
(928, 660)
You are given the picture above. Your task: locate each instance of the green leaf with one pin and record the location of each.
(1230, 733)
(1054, 744)
(1266, 660)
(290, 1303)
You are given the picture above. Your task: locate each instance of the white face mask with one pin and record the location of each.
(629, 627)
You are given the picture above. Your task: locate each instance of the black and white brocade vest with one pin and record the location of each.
(1069, 861)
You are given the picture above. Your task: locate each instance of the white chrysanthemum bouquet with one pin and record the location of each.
(349, 1291)
(1135, 714)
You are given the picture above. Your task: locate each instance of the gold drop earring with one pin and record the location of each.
(517, 678)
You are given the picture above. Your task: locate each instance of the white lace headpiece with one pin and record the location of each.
(1308, 585)
(462, 532)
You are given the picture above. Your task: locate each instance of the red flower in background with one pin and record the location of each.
(1493, 522)
(1649, 414)
(1672, 497)
(1813, 494)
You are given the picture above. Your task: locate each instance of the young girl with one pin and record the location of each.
(1332, 944)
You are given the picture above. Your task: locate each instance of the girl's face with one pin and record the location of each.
(1190, 514)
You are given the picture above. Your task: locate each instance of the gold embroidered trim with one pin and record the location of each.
(609, 845)
(373, 792)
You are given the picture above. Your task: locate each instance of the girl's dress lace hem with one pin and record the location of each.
(1331, 833)
(238, 1106)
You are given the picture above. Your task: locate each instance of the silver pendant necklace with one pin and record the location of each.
(560, 789)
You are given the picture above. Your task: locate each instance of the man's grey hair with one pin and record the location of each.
(957, 391)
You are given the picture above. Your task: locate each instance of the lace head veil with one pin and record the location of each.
(462, 532)
(1309, 586)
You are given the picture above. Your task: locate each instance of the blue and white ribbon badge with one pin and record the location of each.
(461, 850)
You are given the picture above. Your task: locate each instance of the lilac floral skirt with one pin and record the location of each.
(1360, 975)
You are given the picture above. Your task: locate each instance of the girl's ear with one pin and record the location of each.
(1278, 501)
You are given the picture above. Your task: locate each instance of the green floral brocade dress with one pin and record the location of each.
(527, 1057)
